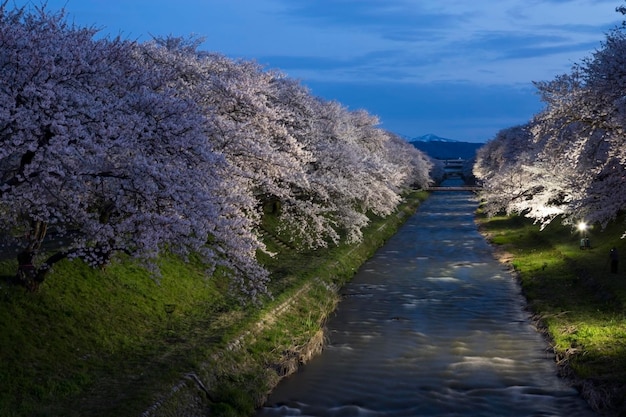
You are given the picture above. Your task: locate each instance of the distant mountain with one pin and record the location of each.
(431, 138)
(441, 148)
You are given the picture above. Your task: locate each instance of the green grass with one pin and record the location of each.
(115, 342)
(572, 292)
(95, 335)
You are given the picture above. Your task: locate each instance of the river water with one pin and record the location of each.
(432, 325)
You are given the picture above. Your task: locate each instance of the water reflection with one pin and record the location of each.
(432, 325)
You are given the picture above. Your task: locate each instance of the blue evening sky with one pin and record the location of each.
(461, 69)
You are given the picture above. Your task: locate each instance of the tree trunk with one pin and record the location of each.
(31, 276)
(27, 274)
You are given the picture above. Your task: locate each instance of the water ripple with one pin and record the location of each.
(432, 325)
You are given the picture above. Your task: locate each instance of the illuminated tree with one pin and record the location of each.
(500, 168)
(575, 162)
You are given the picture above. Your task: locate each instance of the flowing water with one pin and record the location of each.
(432, 325)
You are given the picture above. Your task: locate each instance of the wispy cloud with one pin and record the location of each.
(443, 40)
(459, 68)
(402, 40)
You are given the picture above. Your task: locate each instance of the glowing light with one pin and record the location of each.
(582, 226)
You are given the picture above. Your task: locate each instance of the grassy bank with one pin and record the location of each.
(576, 299)
(120, 342)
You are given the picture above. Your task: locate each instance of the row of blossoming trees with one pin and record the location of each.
(110, 145)
(569, 161)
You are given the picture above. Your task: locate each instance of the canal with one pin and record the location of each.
(432, 325)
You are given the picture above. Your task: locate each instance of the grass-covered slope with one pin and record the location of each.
(121, 342)
(575, 298)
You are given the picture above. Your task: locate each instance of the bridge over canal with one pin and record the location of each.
(473, 188)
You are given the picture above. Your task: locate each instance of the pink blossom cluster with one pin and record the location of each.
(117, 145)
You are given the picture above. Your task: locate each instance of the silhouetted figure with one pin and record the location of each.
(614, 257)
(585, 243)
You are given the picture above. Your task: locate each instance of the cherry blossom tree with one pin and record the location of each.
(413, 168)
(581, 134)
(188, 72)
(110, 145)
(603, 155)
(499, 165)
(102, 153)
(270, 129)
(573, 166)
(306, 220)
(350, 170)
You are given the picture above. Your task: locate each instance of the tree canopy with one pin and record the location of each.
(112, 145)
(569, 160)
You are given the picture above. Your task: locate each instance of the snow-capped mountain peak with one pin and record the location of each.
(431, 138)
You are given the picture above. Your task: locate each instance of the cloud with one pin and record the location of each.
(482, 41)
(458, 68)
(382, 17)
(438, 41)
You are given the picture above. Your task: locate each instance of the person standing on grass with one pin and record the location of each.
(614, 257)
